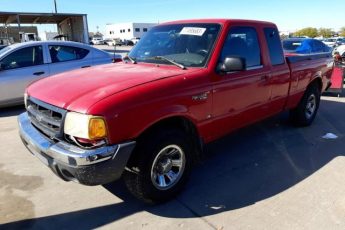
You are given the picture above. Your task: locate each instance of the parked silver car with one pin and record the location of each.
(23, 63)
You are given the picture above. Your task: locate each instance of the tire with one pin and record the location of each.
(153, 175)
(304, 114)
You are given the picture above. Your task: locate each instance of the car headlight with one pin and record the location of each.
(85, 126)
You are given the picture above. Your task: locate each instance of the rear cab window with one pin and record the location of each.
(59, 53)
(243, 42)
(274, 46)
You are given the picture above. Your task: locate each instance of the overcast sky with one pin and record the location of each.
(288, 15)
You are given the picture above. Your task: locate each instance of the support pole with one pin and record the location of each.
(19, 29)
(55, 6)
(85, 30)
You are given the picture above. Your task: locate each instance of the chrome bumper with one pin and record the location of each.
(64, 155)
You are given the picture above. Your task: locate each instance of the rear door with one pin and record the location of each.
(65, 58)
(241, 97)
(19, 69)
(280, 73)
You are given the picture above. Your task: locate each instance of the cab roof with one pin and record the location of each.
(220, 21)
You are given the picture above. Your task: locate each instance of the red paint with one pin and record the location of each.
(337, 78)
(132, 97)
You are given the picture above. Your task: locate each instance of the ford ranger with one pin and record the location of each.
(185, 84)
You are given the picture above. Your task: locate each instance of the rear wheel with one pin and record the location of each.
(160, 166)
(306, 110)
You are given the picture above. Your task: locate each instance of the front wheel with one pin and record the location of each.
(306, 110)
(160, 166)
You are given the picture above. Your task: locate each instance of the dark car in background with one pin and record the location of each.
(128, 42)
(304, 46)
(340, 41)
(2, 46)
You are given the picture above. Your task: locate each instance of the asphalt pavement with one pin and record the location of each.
(270, 175)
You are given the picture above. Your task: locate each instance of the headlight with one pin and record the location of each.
(85, 126)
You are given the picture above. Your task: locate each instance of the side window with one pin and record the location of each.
(242, 42)
(66, 53)
(274, 46)
(25, 57)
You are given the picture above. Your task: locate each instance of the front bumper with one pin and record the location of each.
(71, 163)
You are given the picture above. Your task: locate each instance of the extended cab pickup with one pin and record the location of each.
(186, 83)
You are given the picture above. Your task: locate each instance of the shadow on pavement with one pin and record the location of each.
(248, 166)
(12, 111)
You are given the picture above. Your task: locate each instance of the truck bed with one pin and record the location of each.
(293, 58)
(305, 67)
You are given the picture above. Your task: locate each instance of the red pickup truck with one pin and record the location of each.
(185, 84)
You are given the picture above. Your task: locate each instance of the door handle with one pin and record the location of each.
(39, 73)
(86, 66)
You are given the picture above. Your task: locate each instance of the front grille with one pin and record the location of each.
(47, 118)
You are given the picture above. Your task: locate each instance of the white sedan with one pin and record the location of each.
(23, 63)
(340, 49)
(97, 41)
(333, 42)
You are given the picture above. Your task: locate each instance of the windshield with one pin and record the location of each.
(186, 44)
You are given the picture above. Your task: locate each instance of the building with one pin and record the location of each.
(127, 31)
(12, 32)
(73, 27)
(96, 35)
(48, 36)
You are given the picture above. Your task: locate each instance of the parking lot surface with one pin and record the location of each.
(270, 175)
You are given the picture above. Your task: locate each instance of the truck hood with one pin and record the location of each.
(78, 90)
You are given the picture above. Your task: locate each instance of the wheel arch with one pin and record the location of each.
(318, 81)
(177, 122)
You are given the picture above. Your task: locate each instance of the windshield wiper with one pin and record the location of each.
(169, 60)
(130, 58)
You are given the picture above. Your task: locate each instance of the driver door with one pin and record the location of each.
(241, 97)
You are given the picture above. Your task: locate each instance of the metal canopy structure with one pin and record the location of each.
(75, 25)
(35, 18)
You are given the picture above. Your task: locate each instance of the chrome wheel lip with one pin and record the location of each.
(311, 106)
(167, 179)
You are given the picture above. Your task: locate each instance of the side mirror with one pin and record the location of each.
(231, 64)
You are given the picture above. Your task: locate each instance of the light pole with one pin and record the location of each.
(55, 6)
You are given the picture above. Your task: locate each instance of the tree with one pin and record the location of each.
(342, 31)
(326, 32)
(309, 32)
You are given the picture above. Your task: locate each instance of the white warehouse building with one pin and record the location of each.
(127, 31)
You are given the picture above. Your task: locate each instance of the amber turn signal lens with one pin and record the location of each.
(97, 128)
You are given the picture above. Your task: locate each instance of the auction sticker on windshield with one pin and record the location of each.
(196, 31)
